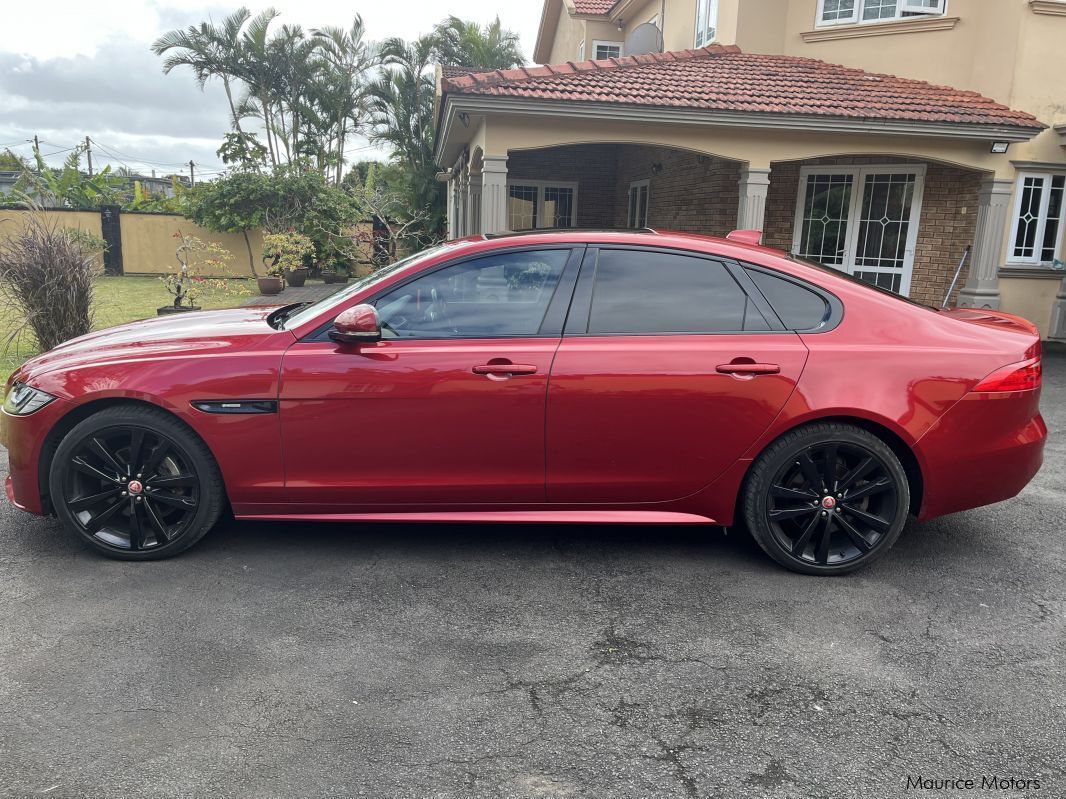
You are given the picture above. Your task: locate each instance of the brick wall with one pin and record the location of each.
(946, 226)
(592, 166)
(692, 192)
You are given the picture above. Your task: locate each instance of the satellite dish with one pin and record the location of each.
(646, 38)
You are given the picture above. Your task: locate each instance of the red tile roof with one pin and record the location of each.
(722, 78)
(594, 6)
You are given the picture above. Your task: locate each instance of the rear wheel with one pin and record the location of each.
(135, 484)
(827, 499)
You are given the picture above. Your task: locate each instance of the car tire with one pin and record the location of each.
(826, 499)
(135, 483)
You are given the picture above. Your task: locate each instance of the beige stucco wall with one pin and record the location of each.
(149, 244)
(14, 219)
(568, 34)
(1031, 298)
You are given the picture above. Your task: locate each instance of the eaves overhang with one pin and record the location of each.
(470, 104)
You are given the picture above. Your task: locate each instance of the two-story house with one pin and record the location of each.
(880, 137)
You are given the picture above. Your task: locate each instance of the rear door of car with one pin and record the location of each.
(671, 366)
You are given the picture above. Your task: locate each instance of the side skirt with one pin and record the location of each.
(494, 517)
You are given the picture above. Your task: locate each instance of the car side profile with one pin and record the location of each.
(580, 377)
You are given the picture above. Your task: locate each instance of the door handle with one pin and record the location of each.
(748, 369)
(505, 369)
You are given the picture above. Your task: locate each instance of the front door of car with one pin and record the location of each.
(449, 407)
(668, 372)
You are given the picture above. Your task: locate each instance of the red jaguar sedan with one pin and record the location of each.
(579, 377)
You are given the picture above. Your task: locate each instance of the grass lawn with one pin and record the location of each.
(124, 299)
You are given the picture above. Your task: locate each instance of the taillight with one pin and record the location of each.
(1024, 376)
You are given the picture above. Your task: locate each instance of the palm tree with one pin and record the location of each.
(211, 52)
(467, 44)
(343, 94)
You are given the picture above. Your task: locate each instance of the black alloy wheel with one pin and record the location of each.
(135, 483)
(827, 499)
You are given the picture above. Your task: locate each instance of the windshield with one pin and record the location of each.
(309, 312)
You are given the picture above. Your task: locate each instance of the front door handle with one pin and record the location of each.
(749, 369)
(505, 369)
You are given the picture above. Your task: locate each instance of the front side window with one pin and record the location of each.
(504, 294)
(642, 292)
(837, 12)
(638, 204)
(706, 22)
(532, 205)
(1038, 218)
(604, 50)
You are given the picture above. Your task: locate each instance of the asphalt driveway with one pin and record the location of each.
(467, 662)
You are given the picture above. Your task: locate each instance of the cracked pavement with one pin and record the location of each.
(451, 662)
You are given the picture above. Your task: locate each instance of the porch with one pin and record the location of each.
(901, 223)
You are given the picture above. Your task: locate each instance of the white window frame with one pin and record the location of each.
(706, 13)
(1045, 201)
(905, 9)
(858, 175)
(540, 186)
(637, 185)
(597, 43)
(581, 51)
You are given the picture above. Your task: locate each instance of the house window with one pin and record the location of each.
(707, 21)
(533, 204)
(1038, 218)
(638, 204)
(840, 12)
(581, 51)
(602, 50)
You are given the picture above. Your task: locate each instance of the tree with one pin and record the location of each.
(467, 44)
(69, 187)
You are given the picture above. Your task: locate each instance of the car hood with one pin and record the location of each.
(175, 335)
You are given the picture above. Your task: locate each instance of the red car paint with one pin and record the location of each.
(597, 429)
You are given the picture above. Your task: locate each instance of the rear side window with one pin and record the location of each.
(798, 307)
(640, 292)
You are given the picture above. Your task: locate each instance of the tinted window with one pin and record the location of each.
(649, 292)
(506, 294)
(798, 307)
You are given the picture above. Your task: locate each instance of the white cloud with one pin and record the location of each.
(88, 70)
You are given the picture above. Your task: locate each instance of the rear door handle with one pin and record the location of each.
(505, 369)
(749, 369)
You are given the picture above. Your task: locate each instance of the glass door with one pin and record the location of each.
(863, 221)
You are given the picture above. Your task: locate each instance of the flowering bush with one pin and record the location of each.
(283, 252)
(196, 258)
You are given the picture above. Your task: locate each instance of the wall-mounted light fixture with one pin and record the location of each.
(656, 169)
(621, 24)
(464, 118)
(1000, 147)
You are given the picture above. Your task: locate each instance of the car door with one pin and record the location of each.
(672, 365)
(449, 407)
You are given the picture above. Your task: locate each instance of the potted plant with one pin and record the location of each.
(284, 256)
(337, 273)
(186, 285)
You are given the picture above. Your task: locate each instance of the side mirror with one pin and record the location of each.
(358, 325)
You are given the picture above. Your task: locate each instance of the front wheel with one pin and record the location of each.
(827, 499)
(134, 483)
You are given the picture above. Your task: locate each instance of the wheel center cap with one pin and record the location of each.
(828, 503)
(135, 487)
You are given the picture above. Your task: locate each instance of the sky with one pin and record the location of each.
(85, 69)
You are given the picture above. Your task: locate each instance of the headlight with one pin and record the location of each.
(22, 400)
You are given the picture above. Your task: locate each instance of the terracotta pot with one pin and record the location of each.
(269, 285)
(297, 277)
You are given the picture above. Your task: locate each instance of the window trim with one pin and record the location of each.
(638, 184)
(710, 10)
(540, 186)
(899, 16)
(607, 43)
(1035, 260)
(834, 307)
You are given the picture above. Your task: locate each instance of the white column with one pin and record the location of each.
(461, 204)
(475, 203)
(494, 194)
(754, 186)
(1057, 331)
(993, 206)
(453, 221)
